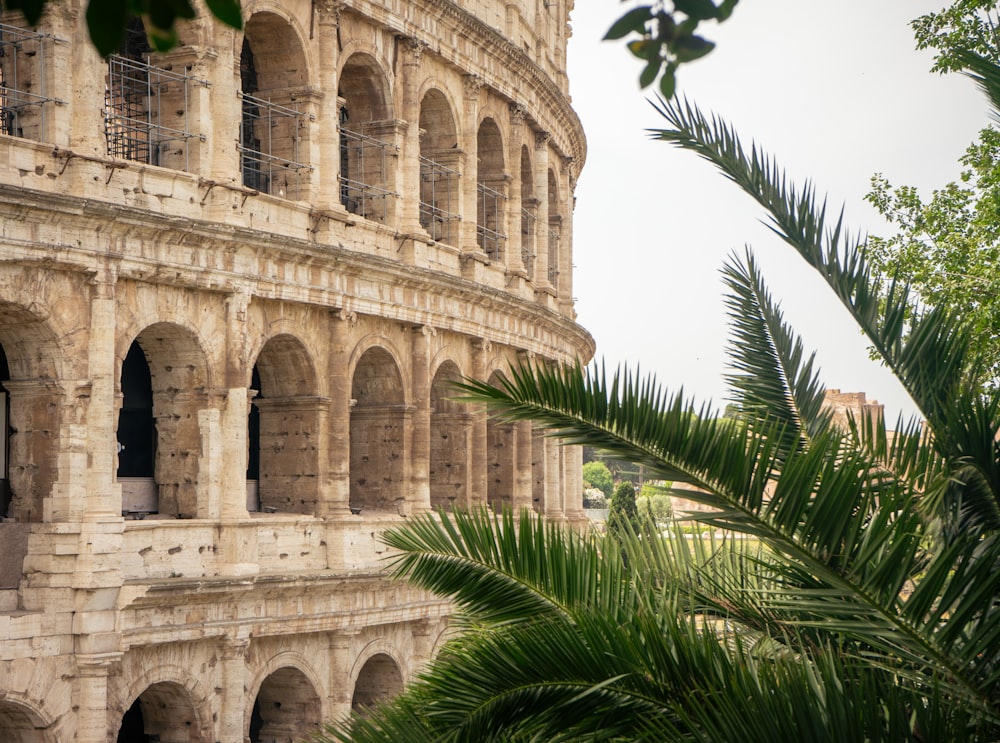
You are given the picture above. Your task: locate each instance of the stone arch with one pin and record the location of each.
(555, 229)
(449, 447)
(31, 410)
(367, 136)
(283, 425)
(21, 722)
(379, 417)
(378, 679)
(179, 380)
(491, 189)
(274, 131)
(439, 166)
(165, 712)
(501, 458)
(286, 707)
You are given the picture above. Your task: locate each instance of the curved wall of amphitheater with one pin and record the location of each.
(235, 282)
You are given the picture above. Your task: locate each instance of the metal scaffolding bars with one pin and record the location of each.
(488, 222)
(137, 97)
(23, 55)
(269, 147)
(438, 189)
(364, 175)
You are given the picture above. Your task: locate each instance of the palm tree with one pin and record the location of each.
(856, 598)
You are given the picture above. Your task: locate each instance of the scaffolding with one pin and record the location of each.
(363, 175)
(438, 187)
(137, 99)
(23, 54)
(489, 213)
(528, 241)
(554, 258)
(267, 129)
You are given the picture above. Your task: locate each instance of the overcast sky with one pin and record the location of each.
(835, 92)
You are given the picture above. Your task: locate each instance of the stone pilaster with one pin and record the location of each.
(470, 135)
(412, 55)
(541, 162)
(420, 494)
(477, 435)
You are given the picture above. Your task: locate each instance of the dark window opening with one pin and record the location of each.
(253, 172)
(5, 432)
(136, 425)
(133, 729)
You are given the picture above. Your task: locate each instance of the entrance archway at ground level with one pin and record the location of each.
(19, 724)
(379, 681)
(163, 713)
(287, 709)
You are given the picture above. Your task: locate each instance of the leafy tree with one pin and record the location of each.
(108, 19)
(599, 476)
(866, 606)
(664, 38)
(947, 247)
(623, 515)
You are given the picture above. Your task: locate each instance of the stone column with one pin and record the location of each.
(93, 670)
(338, 482)
(233, 694)
(553, 484)
(234, 411)
(542, 214)
(470, 134)
(60, 19)
(573, 482)
(568, 186)
(341, 658)
(412, 54)
(327, 190)
(85, 94)
(477, 434)
(513, 261)
(420, 452)
(522, 465)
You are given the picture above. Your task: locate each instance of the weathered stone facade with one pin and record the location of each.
(235, 282)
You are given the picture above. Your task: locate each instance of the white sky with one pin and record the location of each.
(835, 92)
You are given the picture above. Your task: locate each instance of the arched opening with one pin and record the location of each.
(439, 172)
(136, 436)
(274, 131)
(283, 429)
(177, 376)
(449, 450)
(163, 713)
(529, 210)
(555, 230)
(378, 418)
(18, 724)
(491, 187)
(287, 709)
(501, 458)
(366, 139)
(379, 681)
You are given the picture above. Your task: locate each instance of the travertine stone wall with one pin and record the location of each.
(304, 265)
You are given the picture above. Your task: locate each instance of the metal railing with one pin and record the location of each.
(438, 187)
(136, 95)
(269, 147)
(489, 236)
(363, 175)
(23, 55)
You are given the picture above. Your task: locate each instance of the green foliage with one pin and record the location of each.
(663, 39)
(623, 514)
(599, 476)
(108, 19)
(858, 597)
(657, 507)
(966, 25)
(594, 498)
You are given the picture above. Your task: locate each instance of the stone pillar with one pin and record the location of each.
(60, 19)
(412, 54)
(477, 435)
(470, 133)
(542, 214)
(233, 694)
(92, 720)
(420, 452)
(512, 260)
(233, 423)
(522, 465)
(338, 483)
(341, 685)
(223, 76)
(567, 188)
(573, 482)
(327, 189)
(553, 485)
(211, 457)
(85, 94)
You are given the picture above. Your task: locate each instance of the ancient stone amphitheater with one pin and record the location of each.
(235, 283)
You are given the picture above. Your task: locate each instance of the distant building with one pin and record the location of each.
(235, 283)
